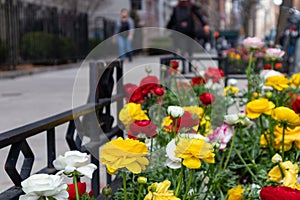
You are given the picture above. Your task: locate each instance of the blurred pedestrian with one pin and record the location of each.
(124, 29)
(183, 20)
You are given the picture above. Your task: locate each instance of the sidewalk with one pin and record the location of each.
(36, 70)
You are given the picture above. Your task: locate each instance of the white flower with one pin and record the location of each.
(268, 73)
(232, 82)
(74, 160)
(174, 162)
(234, 119)
(274, 52)
(44, 185)
(253, 42)
(175, 111)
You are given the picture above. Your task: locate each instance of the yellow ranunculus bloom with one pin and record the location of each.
(290, 172)
(279, 82)
(132, 112)
(286, 115)
(230, 90)
(236, 193)
(295, 80)
(121, 153)
(159, 191)
(193, 150)
(195, 110)
(292, 136)
(259, 106)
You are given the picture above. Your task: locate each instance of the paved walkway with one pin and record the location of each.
(25, 99)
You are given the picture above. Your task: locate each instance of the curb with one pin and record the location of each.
(28, 72)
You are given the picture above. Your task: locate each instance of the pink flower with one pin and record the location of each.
(274, 52)
(222, 135)
(253, 43)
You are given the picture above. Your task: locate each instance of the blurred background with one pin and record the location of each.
(61, 31)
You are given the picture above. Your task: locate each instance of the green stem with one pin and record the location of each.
(124, 184)
(245, 164)
(140, 190)
(231, 147)
(249, 74)
(179, 181)
(246, 150)
(189, 184)
(265, 136)
(282, 142)
(76, 187)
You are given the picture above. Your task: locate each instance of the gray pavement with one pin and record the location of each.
(34, 96)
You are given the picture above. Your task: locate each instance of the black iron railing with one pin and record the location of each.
(100, 100)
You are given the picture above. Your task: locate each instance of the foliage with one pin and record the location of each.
(44, 46)
(3, 52)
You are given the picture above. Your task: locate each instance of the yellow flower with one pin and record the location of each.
(295, 80)
(278, 82)
(128, 153)
(159, 191)
(291, 136)
(230, 90)
(193, 150)
(286, 115)
(195, 110)
(132, 112)
(259, 106)
(290, 172)
(236, 193)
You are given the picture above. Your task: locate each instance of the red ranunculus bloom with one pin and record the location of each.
(214, 73)
(278, 65)
(159, 91)
(187, 120)
(207, 98)
(142, 126)
(137, 96)
(174, 64)
(71, 190)
(148, 84)
(197, 81)
(171, 71)
(129, 89)
(296, 105)
(279, 193)
(267, 66)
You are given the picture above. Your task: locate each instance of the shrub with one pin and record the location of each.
(93, 42)
(41, 47)
(3, 52)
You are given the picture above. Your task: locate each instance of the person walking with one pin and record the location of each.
(183, 21)
(124, 31)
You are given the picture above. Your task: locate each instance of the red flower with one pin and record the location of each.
(71, 190)
(267, 66)
(296, 105)
(186, 120)
(137, 96)
(279, 193)
(174, 64)
(129, 89)
(159, 91)
(148, 84)
(207, 98)
(214, 73)
(142, 126)
(197, 81)
(278, 65)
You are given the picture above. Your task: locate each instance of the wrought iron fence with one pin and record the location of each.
(37, 33)
(101, 98)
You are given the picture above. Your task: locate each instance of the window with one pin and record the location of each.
(137, 4)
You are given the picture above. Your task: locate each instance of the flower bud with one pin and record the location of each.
(159, 91)
(269, 94)
(276, 158)
(107, 190)
(148, 70)
(163, 68)
(142, 180)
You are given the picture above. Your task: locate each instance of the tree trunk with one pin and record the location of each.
(282, 18)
